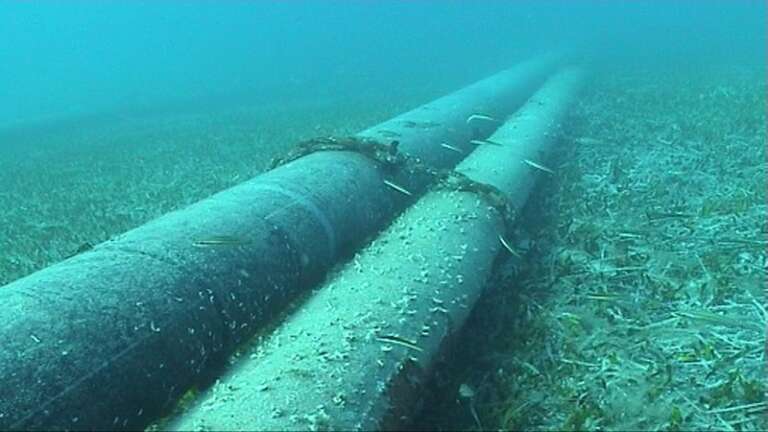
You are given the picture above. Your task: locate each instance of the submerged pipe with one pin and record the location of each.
(111, 337)
(355, 355)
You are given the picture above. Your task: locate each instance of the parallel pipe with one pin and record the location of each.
(355, 355)
(111, 337)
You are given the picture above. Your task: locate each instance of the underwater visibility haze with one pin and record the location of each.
(630, 294)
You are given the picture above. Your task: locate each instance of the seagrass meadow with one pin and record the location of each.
(82, 183)
(638, 305)
(641, 302)
(628, 293)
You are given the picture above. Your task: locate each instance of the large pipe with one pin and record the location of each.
(111, 337)
(355, 354)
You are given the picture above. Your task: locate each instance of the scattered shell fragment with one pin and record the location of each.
(450, 147)
(219, 240)
(398, 188)
(538, 166)
(484, 141)
(482, 117)
(509, 247)
(397, 340)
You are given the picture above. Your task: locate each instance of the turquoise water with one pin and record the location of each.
(76, 58)
(639, 303)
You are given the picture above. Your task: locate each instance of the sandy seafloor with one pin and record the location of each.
(639, 305)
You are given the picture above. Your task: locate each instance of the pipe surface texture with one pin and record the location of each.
(355, 354)
(110, 338)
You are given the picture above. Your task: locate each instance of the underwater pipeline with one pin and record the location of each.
(356, 354)
(112, 337)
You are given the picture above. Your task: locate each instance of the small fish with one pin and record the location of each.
(484, 117)
(508, 247)
(397, 340)
(219, 240)
(538, 166)
(485, 141)
(450, 147)
(400, 189)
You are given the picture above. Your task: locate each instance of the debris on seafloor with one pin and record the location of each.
(219, 240)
